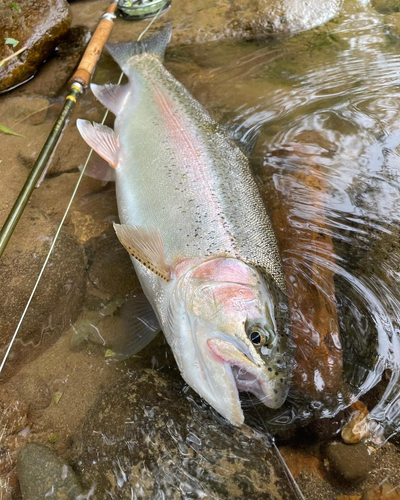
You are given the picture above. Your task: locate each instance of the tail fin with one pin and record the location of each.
(154, 44)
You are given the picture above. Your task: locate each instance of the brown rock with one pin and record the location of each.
(39, 26)
(357, 427)
(350, 463)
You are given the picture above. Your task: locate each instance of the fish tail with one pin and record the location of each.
(154, 44)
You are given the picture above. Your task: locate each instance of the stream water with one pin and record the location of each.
(326, 105)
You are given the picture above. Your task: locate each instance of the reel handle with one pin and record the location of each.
(95, 47)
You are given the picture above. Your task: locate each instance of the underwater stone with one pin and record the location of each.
(40, 26)
(43, 474)
(351, 463)
(59, 297)
(149, 433)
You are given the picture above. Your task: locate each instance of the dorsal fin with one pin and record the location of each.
(111, 96)
(145, 245)
(100, 138)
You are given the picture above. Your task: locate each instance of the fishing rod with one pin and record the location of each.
(80, 80)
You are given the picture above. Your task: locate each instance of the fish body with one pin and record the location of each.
(200, 238)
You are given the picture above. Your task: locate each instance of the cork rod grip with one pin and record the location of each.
(95, 47)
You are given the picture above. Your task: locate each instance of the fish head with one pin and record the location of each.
(232, 337)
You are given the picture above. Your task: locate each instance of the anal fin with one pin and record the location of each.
(98, 168)
(139, 326)
(100, 138)
(145, 245)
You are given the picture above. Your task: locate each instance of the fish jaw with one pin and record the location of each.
(216, 384)
(249, 375)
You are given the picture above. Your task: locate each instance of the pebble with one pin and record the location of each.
(357, 427)
(350, 463)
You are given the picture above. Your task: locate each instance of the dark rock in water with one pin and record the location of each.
(59, 297)
(38, 25)
(149, 437)
(43, 474)
(351, 463)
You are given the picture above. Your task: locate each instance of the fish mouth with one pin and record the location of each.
(248, 374)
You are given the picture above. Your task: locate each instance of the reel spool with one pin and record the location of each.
(136, 10)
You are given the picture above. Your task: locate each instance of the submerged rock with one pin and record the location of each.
(59, 297)
(38, 25)
(146, 435)
(349, 463)
(43, 474)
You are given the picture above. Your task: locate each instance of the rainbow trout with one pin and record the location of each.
(197, 230)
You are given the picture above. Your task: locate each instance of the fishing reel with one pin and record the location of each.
(141, 9)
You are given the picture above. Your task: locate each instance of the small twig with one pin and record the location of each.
(13, 55)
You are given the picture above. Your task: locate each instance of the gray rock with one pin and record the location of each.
(39, 26)
(42, 474)
(151, 436)
(351, 463)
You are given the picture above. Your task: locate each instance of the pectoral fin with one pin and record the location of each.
(100, 138)
(145, 245)
(139, 326)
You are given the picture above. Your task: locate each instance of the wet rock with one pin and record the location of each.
(38, 25)
(149, 434)
(43, 474)
(384, 491)
(58, 298)
(53, 77)
(350, 463)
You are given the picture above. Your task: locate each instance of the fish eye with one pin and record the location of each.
(258, 337)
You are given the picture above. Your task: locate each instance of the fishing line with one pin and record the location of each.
(292, 481)
(62, 222)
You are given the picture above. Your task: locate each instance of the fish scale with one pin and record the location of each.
(219, 210)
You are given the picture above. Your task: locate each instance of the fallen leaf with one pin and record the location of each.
(12, 41)
(8, 131)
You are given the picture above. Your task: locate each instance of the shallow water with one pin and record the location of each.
(326, 105)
